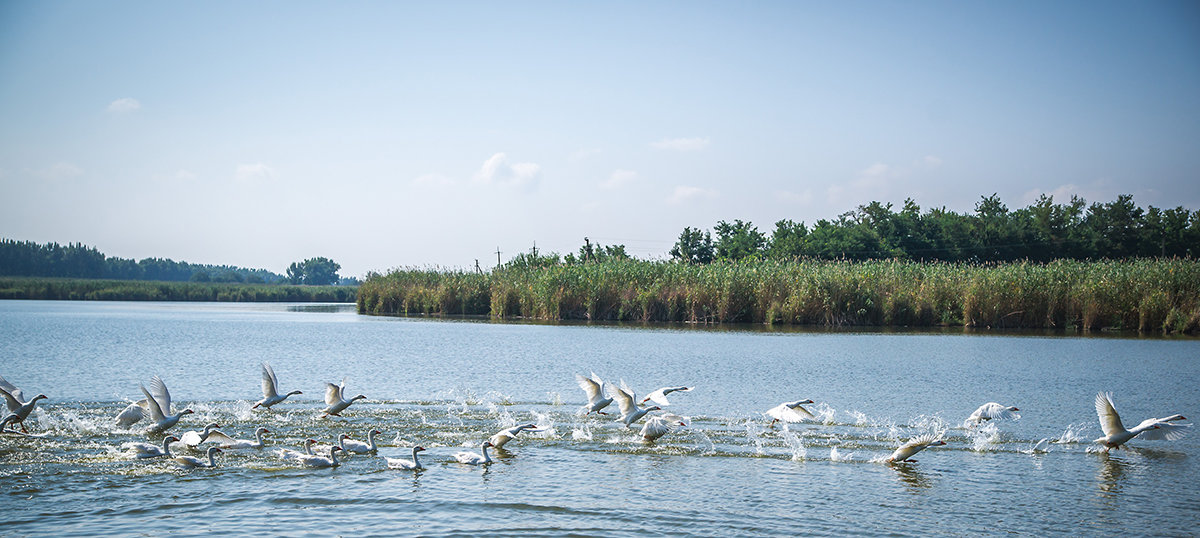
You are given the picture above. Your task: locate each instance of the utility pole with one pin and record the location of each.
(535, 249)
(497, 256)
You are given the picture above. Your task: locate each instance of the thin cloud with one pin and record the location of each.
(584, 154)
(803, 198)
(124, 105)
(255, 172)
(619, 178)
(497, 170)
(684, 194)
(681, 144)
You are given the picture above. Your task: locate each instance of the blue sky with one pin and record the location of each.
(388, 134)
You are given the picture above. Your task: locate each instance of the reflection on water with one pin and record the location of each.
(911, 476)
(323, 308)
(1111, 473)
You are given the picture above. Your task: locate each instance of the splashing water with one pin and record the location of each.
(1074, 433)
(835, 455)
(795, 444)
(984, 437)
(823, 413)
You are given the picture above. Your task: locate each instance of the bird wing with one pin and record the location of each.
(624, 398)
(789, 412)
(13, 403)
(11, 392)
(660, 396)
(219, 437)
(1166, 431)
(156, 411)
(993, 410)
(333, 393)
(1110, 421)
(159, 390)
(590, 387)
(132, 414)
(269, 382)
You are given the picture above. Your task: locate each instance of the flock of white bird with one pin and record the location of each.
(156, 407)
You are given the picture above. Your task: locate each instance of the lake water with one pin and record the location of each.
(450, 384)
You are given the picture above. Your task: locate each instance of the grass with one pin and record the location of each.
(137, 290)
(1148, 295)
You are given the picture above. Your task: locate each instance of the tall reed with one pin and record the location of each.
(1161, 295)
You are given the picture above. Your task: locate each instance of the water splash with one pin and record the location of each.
(1040, 447)
(795, 444)
(835, 455)
(581, 433)
(823, 414)
(555, 398)
(754, 433)
(1074, 433)
(983, 438)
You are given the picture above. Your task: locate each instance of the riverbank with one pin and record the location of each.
(1147, 295)
(139, 290)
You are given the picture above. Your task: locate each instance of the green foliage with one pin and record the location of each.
(1147, 295)
(24, 258)
(314, 272)
(126, 290)
(694, 246)
(738, 241)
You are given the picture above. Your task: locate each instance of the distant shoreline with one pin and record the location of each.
(76, 289)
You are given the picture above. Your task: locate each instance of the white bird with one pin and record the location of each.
(914, 445)
(993, 410)
(321, 462)
(660, 396)
(359, 447)
(408, 465)
(1152, 429)
(287, 453)
(335, 400)
(594, 387)
(471, 458)
(194, 438)
(192, 462)
(660, 425)
(17, 404)
(504, 436)
(630, 412)
(156, 405)
(228, 443)
(790, 412)
(146, 450)
(271, 394)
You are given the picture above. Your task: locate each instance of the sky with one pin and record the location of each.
(390, 135)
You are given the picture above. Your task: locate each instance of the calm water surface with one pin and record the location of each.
(450, 384)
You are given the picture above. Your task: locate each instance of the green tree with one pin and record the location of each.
(738, 240)
(314, 272)
(693, 246)
(788, 240)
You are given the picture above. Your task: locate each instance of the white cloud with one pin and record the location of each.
(124, 105)
(619, 178)
(681, 144)
(932, 161)
(684, 193)
(497, 170)
(184, 175)
(255, 172)
(875, 170)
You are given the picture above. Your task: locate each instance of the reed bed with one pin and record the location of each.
(131, 290)
(1148, 295)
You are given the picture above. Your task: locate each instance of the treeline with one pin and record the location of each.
(1149, 295)
(1041, 232)
(25, 258)
(125, 290)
